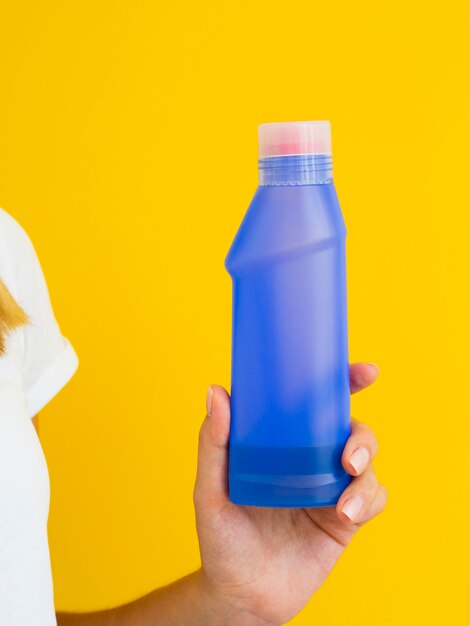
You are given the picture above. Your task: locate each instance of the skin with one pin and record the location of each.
(260, 566)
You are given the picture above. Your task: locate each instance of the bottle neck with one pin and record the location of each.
(295, 169)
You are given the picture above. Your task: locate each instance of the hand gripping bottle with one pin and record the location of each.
(290, 370)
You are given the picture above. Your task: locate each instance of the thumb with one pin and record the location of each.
(212, 471)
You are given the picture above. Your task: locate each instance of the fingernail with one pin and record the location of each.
(375, 366)
(359, 459)
(352, 507)
(210, 395)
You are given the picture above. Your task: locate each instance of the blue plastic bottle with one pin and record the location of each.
(290, 371)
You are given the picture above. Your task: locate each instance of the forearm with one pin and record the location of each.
(187, 602)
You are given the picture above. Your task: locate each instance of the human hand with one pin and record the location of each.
(261, 565)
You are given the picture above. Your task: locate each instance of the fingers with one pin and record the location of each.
(365, 497)
(362, 500)
(362, 375)
(359, 450)
(212, 472)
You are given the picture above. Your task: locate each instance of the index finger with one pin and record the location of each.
(362, 375)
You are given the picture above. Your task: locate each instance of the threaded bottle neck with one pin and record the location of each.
(295, 169)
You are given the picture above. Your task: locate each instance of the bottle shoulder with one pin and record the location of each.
(285, 220)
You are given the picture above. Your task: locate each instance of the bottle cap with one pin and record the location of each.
(291, 138)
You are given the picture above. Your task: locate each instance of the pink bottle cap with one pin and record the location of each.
(289, 138)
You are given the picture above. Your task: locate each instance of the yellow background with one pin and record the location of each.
(128, 152)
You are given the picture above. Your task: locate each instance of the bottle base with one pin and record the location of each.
(307, 491)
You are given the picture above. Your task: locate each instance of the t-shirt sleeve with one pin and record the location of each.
(49, 360)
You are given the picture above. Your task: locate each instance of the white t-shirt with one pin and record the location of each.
(38, 362)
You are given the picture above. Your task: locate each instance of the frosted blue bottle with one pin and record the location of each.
(290, 371)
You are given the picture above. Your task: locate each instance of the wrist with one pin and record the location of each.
(220, 609)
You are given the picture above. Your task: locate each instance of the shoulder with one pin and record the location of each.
(49, 360)
(21, 271)
(18, 260)
(15, 240)
(9, 226)
(20, 266)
